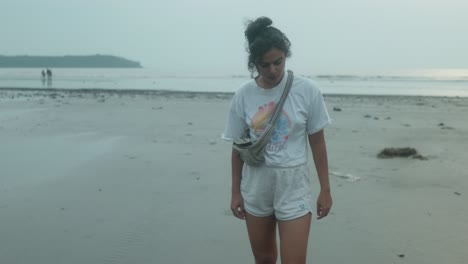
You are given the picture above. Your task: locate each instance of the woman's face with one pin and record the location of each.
(271, 67)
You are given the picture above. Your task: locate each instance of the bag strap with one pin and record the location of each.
(263, 139)
(285, 93)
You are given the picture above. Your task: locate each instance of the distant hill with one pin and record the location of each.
(91, 61)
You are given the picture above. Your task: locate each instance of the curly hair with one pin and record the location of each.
(261, 37)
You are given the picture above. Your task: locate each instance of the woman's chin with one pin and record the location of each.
(275, 80)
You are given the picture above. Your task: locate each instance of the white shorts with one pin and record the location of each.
(283, 192)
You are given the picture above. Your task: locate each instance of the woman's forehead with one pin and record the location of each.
(272, 55)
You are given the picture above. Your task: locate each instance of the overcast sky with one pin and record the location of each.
(197, 37)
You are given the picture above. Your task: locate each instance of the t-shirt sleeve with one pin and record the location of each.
(318, 117)
(235, 121)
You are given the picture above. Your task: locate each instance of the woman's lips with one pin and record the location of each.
(273, 78)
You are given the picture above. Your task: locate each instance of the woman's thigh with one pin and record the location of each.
(262, 236)
(294, 235)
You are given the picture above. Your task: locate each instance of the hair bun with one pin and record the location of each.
(254, 28)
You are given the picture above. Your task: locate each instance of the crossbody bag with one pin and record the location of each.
(252, 151)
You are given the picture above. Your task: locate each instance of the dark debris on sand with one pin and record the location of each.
(442, 126)
(406, 152)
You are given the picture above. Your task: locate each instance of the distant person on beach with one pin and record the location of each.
(278, 193)
(49, 73)
(43, 74)
(49, 77)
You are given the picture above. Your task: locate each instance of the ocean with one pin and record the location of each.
(441, 82)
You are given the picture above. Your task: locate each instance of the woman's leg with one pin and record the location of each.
(262, 235)
(294, 235)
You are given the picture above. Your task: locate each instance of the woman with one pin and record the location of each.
(278, 192)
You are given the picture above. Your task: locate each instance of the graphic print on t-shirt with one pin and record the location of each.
(280, 132)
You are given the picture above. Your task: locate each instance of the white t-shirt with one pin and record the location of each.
(304, 112)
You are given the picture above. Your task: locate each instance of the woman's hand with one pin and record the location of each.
(324, 204)
(237, 206)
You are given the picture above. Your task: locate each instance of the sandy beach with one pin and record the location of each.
(144, 177)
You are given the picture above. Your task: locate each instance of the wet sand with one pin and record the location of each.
(144, 177)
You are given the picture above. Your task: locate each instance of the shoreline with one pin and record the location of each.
(191, 94)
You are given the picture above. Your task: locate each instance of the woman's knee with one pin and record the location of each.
(265, 258)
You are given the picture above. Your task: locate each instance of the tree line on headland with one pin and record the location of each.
(87, 61)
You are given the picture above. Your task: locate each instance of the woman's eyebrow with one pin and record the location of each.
(276, 60)
(279, 59)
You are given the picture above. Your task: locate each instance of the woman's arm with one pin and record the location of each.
(319, 154)
(237, 203)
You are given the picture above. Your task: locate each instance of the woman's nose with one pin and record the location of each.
(272, 68)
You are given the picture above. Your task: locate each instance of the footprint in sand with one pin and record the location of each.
(130, 157)
(227, 212)
(132, 237)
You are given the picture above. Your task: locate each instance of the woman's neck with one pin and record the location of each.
(267, 85)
